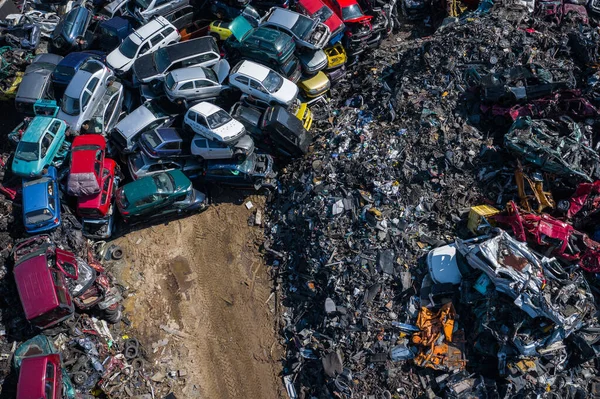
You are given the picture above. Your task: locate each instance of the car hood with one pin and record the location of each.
(116, 60)
(230, 131)
(221, 68)
(313, 59)
(71, 120)
(144, 68)
(245, 143)
(33, 84)
(27, 168)
(287, 92)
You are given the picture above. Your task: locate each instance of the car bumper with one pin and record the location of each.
(36, 229)
(97, 228)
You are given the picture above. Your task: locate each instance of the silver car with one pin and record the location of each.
(196, 83)
(84, 93)
(307, 32)
(108, 111)
(140, 165)
(212, 149)
(146, 9)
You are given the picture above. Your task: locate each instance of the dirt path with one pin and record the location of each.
(200, 284)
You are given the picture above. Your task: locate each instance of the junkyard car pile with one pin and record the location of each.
(432, 228)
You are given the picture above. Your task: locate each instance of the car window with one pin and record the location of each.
(174, 145)
(200, 143)
(46, 143)
(155, 40)
(144, 201)
(214, 144)
(153, 125)
(199, 59)
(168, 31)
(200, 119)
(203, 83)
(242, 79)
(97, 168)
(49, 386)
(187, 86)
(145, 48)
(157, 167)
(159, 2)
(85, 98)
(255, 85)
(92, 85)
(54, 126)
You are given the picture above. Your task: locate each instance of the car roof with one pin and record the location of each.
(188, 73)
(269, 35)
(49, 58)
(252, 69)
(35, 286)
(133, 122)
(94, 201)
(79, 81)
(188, 48)
(36, 194)
(75, 59)
(36, 127)
(150, 28)
(205, 108)
(283, 17)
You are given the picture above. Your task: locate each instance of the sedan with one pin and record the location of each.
(263, 83)
(307, 32)
(255, 172)
(41, 203)
(84, 93)
(214, 123)
(211, 149)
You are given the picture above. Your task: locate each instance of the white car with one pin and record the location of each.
(155, 34)
(84, 93)
(214, 123)
(263, 83)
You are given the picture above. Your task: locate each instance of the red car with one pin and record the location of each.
(359, 25)
(316, 9)
(43, 289)
(87, 157)
(96, 210)
(40, 377)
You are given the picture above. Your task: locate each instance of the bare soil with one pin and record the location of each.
(199, 299)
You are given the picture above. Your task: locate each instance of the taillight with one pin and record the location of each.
(55, 220)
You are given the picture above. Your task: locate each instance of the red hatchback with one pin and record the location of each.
(96, 210)
(87, 157)
(316, 9)
(40, 377)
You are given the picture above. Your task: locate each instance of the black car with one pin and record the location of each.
(255, 172)
(202, 51)
(36, 83)
(72, 27)
(276, 127)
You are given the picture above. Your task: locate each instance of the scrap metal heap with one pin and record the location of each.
(426, 150)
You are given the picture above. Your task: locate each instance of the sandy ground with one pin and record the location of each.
(199, 302)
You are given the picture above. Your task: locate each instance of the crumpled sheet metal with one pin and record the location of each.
(437, 348)
(533, 282)
(555, 147)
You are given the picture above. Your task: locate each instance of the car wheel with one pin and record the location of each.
(239, 157)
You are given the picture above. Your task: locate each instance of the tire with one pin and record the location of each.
(117, 253)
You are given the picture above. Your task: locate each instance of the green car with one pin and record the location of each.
(160, 194)
(42, 144)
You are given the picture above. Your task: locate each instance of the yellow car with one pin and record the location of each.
(219, 29)
(303, 113)
(315, 86)
(336, 56)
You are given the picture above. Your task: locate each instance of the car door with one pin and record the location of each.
(217, 150)
(186, 90)
(46, 147)
(242, 83)
(156, 41)
(144, 48)
(203, 126)
(204, 88)
(200, 147)
(257, 90)
(92, 89)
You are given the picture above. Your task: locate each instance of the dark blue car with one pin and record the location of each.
(72, 26)
(65, 70)
(164, 142)
(112, 32)
(41, 203)
(255, 172)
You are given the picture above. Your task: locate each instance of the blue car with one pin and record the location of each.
(72, 25)
(41, 204)
(68, 66)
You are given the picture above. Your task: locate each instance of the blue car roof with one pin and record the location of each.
(74, 60)
(37, 194)
(116, 23)
(168, 134)
(36, 127)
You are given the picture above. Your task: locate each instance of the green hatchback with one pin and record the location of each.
(159, 195)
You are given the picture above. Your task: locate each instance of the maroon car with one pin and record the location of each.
(40, 377)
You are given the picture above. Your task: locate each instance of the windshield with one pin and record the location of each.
(87, 147)
(351, 12)
(164, 182)
(91, 66)
(323, 14)
(210, 74)
(64, 70)
(302, 27)
(218, 119)
(155, 109)
(152, 139)
(70, 20)
(143, 4)
(170, 82)
(27, 151)
(70, 105)
(38, 216)
(273, 82)
(161, 60)
(35, 181)
(128, 48)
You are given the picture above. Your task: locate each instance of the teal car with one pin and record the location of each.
(159, 195)
(42, 144)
